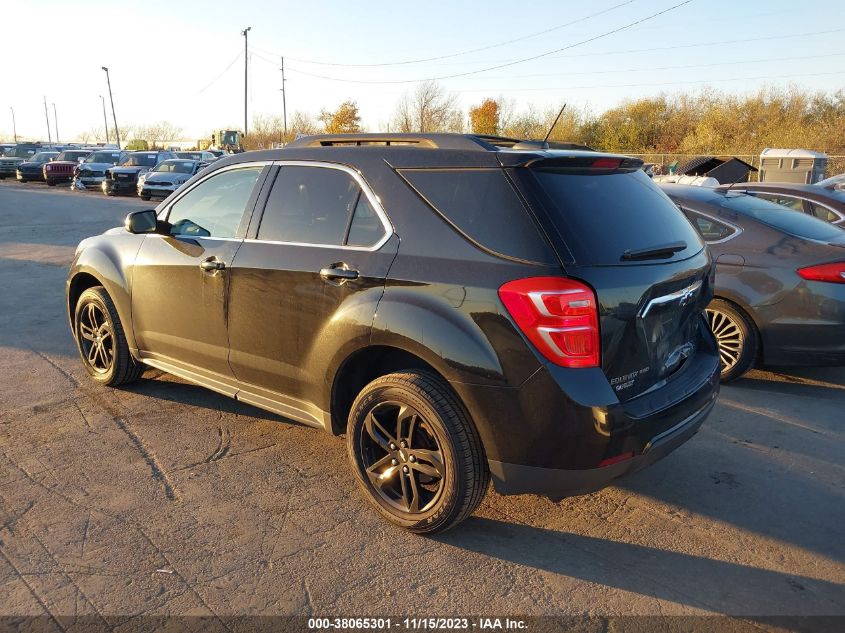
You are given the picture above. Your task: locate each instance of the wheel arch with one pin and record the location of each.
(362, 367)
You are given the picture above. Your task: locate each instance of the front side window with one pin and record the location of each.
(785, 201)
(823, 213)
(309, 205)
(215, 207)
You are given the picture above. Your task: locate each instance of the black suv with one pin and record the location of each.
(461, 307)
(123, 178)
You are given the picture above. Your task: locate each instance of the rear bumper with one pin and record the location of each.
(552, 434)
(514, 479)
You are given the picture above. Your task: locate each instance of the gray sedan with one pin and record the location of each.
(780, 280)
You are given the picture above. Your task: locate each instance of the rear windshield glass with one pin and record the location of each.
(787, 220)
(601, 216)
(483, 205)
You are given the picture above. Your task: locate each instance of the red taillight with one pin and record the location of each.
(834, 273)
(558, 315)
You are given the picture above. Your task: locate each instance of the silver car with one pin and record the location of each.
(92, 171)
(167, 177)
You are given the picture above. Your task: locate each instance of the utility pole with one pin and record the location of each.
(105, 118)
(245, 33)
(114, 116)
(14, 125)
(47, 117)
(284, 103)
(56, 120)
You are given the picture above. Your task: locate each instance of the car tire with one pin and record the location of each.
(415, 452)
(101, 341)
(22, 180)
(145, 197)
(736, 336)
(51, 183)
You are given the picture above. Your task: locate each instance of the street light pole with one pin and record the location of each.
(56, 121)
(245, 33)
(14, 125)
(47, 117)
(105, 118)
(284, 101)
(114, 116)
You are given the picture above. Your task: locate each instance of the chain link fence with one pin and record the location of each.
(835, 163)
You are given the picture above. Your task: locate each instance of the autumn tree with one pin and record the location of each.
(428, 109)
(344, 120)
(484, 118)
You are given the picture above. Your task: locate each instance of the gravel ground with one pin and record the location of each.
(164, 498)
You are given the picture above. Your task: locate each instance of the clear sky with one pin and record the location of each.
(182, 61)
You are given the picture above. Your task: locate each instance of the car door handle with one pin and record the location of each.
(335, 273)
(212, 264)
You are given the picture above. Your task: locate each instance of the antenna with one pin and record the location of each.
(557, 118)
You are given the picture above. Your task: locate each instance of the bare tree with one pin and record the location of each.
(428, 109)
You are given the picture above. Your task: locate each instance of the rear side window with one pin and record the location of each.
(602, 215)
(790, 202)
(709, 229)
(482, 205)
(319, 205)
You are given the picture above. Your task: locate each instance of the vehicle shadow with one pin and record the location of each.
(161, 386)
(818, 382)
(695, 581)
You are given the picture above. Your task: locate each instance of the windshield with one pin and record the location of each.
(43, 156)
(176, 166)
(189, 155)
(103, 157)
(832, 181)
(72, 156)
(230, 138)
(787, 220)
(139, 160)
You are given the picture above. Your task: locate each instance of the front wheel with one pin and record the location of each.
(416, 454)
(144, 196)
(51, 183)
(736, 337)
(101, 341)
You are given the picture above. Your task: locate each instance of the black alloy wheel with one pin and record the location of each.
(96, 337)
(415, 452)
(402, 457)
(101, 341)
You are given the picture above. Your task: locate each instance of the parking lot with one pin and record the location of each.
(165, 498)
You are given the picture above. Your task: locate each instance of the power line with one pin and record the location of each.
(643, 85)
(679, 67)
(505, 65)
(464, 52)
(225, 70)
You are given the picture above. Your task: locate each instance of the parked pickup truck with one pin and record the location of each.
(63, 168)
(13, 157)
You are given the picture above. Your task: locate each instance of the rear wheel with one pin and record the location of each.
(736, 336)
(101, 341)
(415, 452)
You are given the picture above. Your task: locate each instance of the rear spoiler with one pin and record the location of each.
(584, 162)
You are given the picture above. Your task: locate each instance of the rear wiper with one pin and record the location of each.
(655, 252)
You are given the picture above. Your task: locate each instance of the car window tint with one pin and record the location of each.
(822, 213)
(785, 201)
(309, 205)
(483, 205)
(366, 228)
(798, 224)
(709, 229)
(215, 207)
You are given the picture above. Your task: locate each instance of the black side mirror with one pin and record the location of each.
(143, 222)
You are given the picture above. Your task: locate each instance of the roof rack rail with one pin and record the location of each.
(466, 142)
